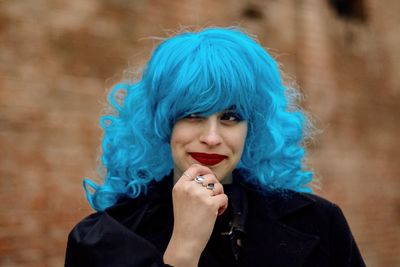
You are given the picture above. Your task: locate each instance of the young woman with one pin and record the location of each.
(203, 164)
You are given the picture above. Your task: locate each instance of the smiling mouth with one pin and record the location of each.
(208, 159)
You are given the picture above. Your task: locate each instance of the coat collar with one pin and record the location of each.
(280, 204)
(270, 241)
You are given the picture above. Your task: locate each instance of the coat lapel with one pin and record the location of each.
(270, 242)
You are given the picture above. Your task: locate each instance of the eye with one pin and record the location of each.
(193, 116)
(231, 116)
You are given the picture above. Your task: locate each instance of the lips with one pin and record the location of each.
(208, 159)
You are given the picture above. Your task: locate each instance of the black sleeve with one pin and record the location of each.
(100, 241)
(344, 250)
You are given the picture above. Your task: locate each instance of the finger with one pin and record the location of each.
(212, 182)
(186, 176)
(195, 170)
(214, 189)
(218, 189)
(211, 189)
(221, 202)
(210, 178)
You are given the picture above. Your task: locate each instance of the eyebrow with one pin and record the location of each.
(231, 108)
(228, 110)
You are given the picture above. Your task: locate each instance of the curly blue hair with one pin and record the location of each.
(202, 72)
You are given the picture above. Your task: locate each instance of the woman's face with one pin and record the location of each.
(216, 141)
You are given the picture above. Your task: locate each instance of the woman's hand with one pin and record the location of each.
(195, 210)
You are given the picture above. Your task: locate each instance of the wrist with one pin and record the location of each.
(181, 253)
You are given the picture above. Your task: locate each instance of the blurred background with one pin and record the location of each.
(58, 59)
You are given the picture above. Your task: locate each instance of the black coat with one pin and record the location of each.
(276, 229)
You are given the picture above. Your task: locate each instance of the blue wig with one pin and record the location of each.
(202, 72)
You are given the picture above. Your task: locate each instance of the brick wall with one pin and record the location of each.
(57, 59)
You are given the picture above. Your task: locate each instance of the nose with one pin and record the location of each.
(211, 134)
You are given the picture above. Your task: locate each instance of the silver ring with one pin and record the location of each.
(210, 186)
(199, 179)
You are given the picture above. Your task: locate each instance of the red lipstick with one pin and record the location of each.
(207, 159)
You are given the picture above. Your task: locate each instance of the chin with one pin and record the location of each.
(221, 175)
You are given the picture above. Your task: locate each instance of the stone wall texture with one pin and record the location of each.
(58, 59)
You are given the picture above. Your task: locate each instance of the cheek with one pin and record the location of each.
(237, 138)
(181, 135)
